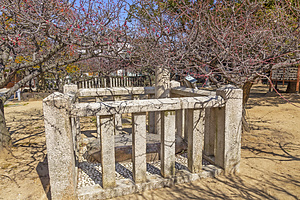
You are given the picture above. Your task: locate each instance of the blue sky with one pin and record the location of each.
(123, 15)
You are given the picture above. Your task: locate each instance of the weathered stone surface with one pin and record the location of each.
(131, 106)
(151, 117)
(93, 92)
(98, 124)
(60, 148)
(174, 84)
(162, 90)
(124, 187)
(188, 92)
(99, 99)
(139, 147)
(123, 152)
(162, 82)
(179, 122)
(151, 122)
(118, 124)
(118, 118)
(107, 151)
(228, 149)
(210, 131)
(168, 143)
(224, 121)
(195, 139)
(70, 88)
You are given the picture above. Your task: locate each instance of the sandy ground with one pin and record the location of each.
(270, 166)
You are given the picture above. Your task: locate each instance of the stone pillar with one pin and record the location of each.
(168, 143)
(162, 90)
(118, 118)
(60, 147)
(229, 129)
(151, 118)
(70, 88)
(98, 100)
(98, 124)
(139, 147)
(75, 124)
(185, 124)
(179, 123)
(118, 124)
(210, 131)
(107, 141)
(195, 134)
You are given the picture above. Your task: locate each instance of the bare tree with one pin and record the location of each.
(46, 34)
(236, 40)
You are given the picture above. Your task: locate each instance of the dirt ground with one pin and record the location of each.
(270, 166)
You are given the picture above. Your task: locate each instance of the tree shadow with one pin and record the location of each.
(260, 96)
(43, 172)
(224, 187)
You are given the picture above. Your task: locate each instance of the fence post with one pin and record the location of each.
(107, 142)
(151, 117)
(167, 143)
(229, 129)
(118, 118)
(179, 116)
(195, 138)
(139, 147)
(162, 90)
(60, 149)
(210, 131)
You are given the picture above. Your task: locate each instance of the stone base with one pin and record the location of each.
(127, 186)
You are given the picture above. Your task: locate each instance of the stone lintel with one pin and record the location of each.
(131, 106)
(93, 92)
(183, 91)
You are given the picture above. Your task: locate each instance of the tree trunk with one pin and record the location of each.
(246, 92)
(5, 138)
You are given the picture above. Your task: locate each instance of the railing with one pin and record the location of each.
(211, 124)
(113, 81)
(52, 84)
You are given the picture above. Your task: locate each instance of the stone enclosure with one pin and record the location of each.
(209, 122)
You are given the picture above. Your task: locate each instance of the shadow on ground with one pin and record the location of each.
(43, 172)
